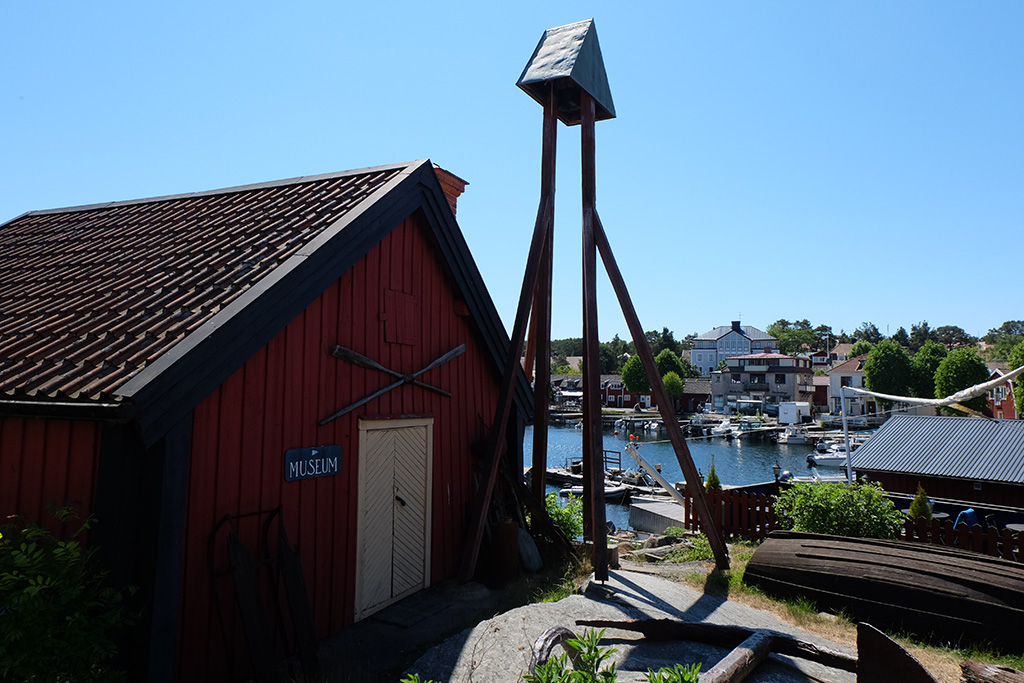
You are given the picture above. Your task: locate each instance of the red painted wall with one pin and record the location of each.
(275, 401)
(955, 489)
(44, 462)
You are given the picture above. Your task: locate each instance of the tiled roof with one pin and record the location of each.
(957, 447)
(821, 380)
(852, 365)
(749, 332)
(696, 386)
(89, 296)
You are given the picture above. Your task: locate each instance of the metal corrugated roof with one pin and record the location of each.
(956, 447)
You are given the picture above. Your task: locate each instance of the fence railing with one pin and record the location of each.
(989, 541)
(752, 516)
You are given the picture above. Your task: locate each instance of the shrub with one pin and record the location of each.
(59, 619)
(677, 674)
(860, 510)
(919, 507)
(590, 658)
(713, 483)
(568, 518)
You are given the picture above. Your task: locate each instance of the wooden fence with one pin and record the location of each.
(750, 516)
(1005, 544)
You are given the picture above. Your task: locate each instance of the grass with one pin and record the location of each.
(942, 660)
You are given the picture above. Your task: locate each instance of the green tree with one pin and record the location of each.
(953, 336)
(713, 483)
(919, 507)
(1016, 360)
(673, 385)
(824, 340)
(901, 337)
(919, 334)
(1004, 338)
(889, 370)
(868, 332)
(961, 368)
(667, 362)
(689, 370)
(634, 377)
(926, 362)
(722, 366)
(859, 348)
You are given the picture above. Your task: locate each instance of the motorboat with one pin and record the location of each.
(793, 434)
(724, 428)
(612, 492)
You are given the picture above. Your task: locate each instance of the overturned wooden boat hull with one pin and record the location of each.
(930, 591)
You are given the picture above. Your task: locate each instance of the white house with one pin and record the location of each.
(727, 341)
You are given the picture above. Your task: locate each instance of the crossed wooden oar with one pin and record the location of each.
(362, 361)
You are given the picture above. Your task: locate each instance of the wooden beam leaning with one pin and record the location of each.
(675, 434)
(499, 427)
(593, 447)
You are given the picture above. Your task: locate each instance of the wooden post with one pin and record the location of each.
(743, 659)
(593, 443)
(675, 433)
(542, 306)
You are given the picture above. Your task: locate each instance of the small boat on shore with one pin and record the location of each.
(931, 591)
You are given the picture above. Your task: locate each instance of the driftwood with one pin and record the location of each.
(727, 636)
(548, 641)
(743, 659)
(976, 672)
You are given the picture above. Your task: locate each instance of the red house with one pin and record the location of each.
(170, 361)
(1000, 399)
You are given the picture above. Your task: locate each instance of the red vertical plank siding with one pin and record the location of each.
(46, 462)
(275, 402)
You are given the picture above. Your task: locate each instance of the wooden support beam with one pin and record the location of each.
(708, 523)
(542, 309)
(593, 442)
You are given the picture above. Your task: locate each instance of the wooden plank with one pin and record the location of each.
(743, 659)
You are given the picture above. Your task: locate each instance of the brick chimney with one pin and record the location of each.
(452, 185)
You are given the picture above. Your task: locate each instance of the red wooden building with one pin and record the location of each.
(168, 361)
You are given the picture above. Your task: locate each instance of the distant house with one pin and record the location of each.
(849, 374)
(762, 379)
(696, 393)
(726, 341)
(821, 386)
(1000, 399)
(170, 363)
(840, 353)
(969, 459)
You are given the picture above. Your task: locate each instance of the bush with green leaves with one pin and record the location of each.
(59, 619)
(713, 482)
(590, 657)
(679, 673)
(859, 510)
(919, 507)
(568, 517)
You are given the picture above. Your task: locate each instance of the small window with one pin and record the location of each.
(780, 379)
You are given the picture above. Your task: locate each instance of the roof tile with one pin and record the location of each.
(90, 295)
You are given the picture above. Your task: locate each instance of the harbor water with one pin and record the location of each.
(737, 461)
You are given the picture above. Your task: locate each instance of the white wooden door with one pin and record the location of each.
(393, 537)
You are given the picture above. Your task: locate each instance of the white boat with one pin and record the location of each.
(827, 459)
(611, 493)
(795, 434)
(724, 428)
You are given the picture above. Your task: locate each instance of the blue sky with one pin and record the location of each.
(841, 162)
